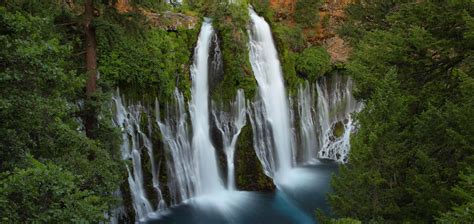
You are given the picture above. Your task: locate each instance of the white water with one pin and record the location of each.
(267, 71)
(282, 137)
(230, 125)
(180, 163)
(325, 127)
(262, 137)
(134, 140)
(335, 107)
(307, 124)
(205, 156)
(191, 161)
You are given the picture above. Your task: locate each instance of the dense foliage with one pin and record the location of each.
(156, 60)
(412, 157)
(313, 62)
(41, 91)
(47, 194)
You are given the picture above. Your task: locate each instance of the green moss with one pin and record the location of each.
(288, 40)
(230, 22)
(249, 171)
(338, 129)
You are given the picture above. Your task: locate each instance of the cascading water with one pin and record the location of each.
(286, 131)
(262, 137)
(205, 156)
(335, 105)
(324, 131)
(230, 125)
(192, 163)
(307, 124)
(267, 71)
(134, 139)
(180, 162)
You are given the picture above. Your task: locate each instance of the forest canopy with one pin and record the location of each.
(411, 160)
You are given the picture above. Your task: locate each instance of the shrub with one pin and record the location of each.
(307, 12)
(313, 62)
(45, 193)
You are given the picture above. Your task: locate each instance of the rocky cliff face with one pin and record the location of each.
(331, 14)
(168, 20)
(171, 20)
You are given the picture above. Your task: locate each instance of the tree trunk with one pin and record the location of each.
(91, 63)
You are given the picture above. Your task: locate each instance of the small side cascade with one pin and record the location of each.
(180, 162)
(128, 119)
(262, 136)
(335, 108)
(294, 133)
(230, 125)
(307, 124)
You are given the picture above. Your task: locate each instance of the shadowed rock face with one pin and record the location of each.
(168, 20)
(171, 21)
(216, 64)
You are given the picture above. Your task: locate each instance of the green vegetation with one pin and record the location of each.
(338, 129)
(313, 62)
(411, 160)
(289, 41)
(151, 64)
(306, 12)
(50, 171)
(464, 208)
(230, 22)
(47, 193)
(41, 91)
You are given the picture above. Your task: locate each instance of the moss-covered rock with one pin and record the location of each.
(249, 171)
(230, 23)
(338, 129)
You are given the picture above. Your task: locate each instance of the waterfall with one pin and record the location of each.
(180, 161)
(191, 161)
(335, 107)
(209, 179)
(134, 140)
(175, 2)
(267, 71)
(283, 137)
(230, 126)
(307, 124)
(286, 131)
(325, 127)
(262, 137)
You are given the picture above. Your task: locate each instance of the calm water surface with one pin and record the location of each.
(299, 194)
